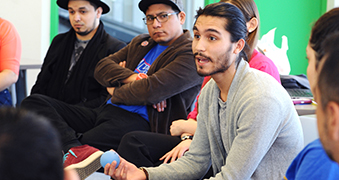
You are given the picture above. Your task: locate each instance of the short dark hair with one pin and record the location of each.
(94, 5)
(235, 23)
(29, 147)
(325, 25)
(328, 81)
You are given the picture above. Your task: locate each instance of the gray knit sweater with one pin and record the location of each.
(257, 137)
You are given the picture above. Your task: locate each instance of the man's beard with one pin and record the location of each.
(225, 58)
(85, 33)
(325, 142)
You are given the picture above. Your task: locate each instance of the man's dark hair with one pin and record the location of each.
(249, 10)
(325, 25)
(30, 148)
(94, 5)
(328, 81)
(235, 23)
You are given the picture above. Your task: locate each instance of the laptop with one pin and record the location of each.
(298, 88)
(300, 96)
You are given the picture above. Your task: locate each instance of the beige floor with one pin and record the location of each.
(98, 176)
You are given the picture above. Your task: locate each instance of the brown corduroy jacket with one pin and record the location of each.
(172, 76)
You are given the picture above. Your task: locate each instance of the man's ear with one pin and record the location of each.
(252, 24)
(99, 12)
(182, 17)
(239, 46)
(332, 110)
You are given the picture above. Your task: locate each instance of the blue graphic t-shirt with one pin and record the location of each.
(143, 67)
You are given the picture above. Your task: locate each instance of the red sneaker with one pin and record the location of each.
(84, 159)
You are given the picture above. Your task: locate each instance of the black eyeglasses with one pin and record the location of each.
(161, 18)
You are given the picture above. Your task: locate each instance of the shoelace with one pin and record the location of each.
(69, 152)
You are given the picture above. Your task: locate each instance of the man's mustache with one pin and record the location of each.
(202, 55)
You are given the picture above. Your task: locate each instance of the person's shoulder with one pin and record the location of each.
(259, 86)
(314, 146)
(141, 37)
(254, 75)
(314, 152)
(5, 23)
(59, 37)
(184, 39)
(114, 43)
(112, 40)
(258, 60)
(6, 27)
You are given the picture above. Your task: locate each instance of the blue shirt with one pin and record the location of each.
(143, 67)
(313, 163)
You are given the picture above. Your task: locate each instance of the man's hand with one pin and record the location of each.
(110, 90)
(160, 106)
(177, 127)
(177, 152)
(131, 78)
(125, 170)
(181, 126)
(122, 64)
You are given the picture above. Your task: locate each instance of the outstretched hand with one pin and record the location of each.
(124, 171)
(177, 152)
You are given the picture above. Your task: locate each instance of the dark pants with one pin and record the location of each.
(144, 149)
(101, 127)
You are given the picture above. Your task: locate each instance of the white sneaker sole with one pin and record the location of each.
(87, 166)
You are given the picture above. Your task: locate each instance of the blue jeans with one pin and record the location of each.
(5, 98)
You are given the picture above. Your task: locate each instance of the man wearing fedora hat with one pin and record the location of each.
(68, 68)
(152, 68)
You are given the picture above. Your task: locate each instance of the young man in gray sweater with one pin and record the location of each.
(247, 125)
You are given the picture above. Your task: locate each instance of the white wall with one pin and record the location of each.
(332, 3)
(32, 20)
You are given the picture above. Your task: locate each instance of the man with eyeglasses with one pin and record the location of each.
(152, 82)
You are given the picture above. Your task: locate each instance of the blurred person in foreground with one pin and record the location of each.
(30, 148)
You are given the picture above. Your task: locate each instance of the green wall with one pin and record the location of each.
(210, 1)
(294, 19)
(54, 20)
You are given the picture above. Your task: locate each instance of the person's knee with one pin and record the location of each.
(129, 141)
(30, 102)
(129, 137)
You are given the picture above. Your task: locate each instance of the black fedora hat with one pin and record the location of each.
(175, 4)
(105, 9)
